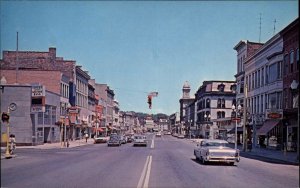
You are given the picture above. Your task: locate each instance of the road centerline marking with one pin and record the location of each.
(143, 173)
(146, 183)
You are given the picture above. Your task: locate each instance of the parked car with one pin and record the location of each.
(123, 139)
(168, 133)
(140, 140)
(114, 140)
(181, 136)
(130, 139)
(100, 139)
(216, 151)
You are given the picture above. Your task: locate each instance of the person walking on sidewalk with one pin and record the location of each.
(86, 137)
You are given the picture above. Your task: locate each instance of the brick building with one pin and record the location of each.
(290, 36)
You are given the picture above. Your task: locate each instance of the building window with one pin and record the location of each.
(267, 75)
(297, 59)
(291, 60)
(234, 102)
(207, 103)
(272, 100)
(258, 78)
(223, 114)
(274, 72)
(223, 103)
(221, 87)
(262, 77)
(219, 103)
(286, 64)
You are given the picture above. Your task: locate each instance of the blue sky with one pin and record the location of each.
(142, 46)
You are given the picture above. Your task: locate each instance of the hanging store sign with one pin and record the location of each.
(38, 91)
(274, 114)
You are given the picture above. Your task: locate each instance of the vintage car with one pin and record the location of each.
(158, 134)
(140, 140)
(216, 151)
(114, 140)
(100, 139)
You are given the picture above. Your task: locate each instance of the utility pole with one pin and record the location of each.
(245, 118)
(17, 61)
(259, 27)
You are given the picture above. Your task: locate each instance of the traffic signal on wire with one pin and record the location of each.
(5, 117)
(149, 101)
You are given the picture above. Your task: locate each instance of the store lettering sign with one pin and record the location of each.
(35, 109)
(38, 91)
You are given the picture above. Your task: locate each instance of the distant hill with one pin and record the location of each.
(155, 117)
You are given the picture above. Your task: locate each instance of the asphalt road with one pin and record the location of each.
(166, 162)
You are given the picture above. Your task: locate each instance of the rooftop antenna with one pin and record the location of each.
(259, 27)
(274, 27)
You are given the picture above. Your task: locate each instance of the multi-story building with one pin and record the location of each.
(214, 100)
(174, 123)
(163, 124)
(82, 91)
(290, 36)
(107, 96)
(244, 49)
(184, 102)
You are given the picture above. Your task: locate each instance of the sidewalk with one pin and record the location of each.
(72, 144)
(269, 155)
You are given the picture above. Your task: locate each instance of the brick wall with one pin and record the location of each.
(51, 79)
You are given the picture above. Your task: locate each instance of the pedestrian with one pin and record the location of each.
(249, 144)
(12, 143)
(86, 137)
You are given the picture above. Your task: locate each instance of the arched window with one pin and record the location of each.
(223, 103)
(223, 114)
(218, 114)
(291, 61)
(207, 103)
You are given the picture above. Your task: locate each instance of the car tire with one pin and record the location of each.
(231, 163)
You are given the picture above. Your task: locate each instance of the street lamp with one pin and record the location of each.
(236, 118)
(206, 119)
(11, 107)
(294, 87)
(190, 122)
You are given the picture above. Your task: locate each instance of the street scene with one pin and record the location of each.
(156, 94)
(166, 162)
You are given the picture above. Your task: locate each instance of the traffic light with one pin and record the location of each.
(149, 101)
(5, 117)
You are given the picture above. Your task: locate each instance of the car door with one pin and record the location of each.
(202, 149)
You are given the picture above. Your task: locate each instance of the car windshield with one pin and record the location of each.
(217, 144)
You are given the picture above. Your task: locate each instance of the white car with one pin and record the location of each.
(158, 134)
(216, 151)
(140, 140)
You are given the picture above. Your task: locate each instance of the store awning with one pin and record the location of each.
(267, 127)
